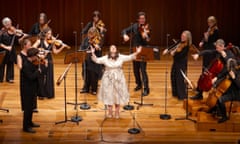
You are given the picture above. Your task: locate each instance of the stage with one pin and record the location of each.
(94, 128)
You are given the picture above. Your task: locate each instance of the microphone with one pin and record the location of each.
(168, 35)
(74, 32)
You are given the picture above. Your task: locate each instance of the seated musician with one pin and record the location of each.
(233, 92)
(40, 25)
(222, 54)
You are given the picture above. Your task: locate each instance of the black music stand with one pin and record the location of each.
(75, 57)
(147, 53)
(63, 77)
(188, 83)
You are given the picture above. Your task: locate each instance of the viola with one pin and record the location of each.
(100, 25)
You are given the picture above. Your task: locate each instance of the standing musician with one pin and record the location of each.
(180, 59)
(207, 43)
(140, 37)
(48, 44)
(21, 59)
(222, 54)
(29, 73)
(40, 25)
(96, 22)
(91, 70)
(95, 31)
(9, 37)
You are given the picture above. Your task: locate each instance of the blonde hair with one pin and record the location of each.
(189, 36)
(212, 19)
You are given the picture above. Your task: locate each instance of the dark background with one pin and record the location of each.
(165, 16)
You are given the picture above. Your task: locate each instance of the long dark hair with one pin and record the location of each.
(116, 55)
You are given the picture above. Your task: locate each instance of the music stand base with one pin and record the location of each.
(60, 122)
(165, 116)
(128, 107)
(85, 106)
(4, 109)
(134, 131)
(76, 119)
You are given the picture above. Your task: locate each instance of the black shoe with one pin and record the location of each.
(145, 92)
(223, 119)
(35, 110)
(29, 130)
(197, 97)
(35, 125)
(40, 98)
(10, 81)
(84, 91)
(137, 88)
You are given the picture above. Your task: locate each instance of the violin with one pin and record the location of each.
(145, 31)
(40, 61)
(14, 31)
(57, 43)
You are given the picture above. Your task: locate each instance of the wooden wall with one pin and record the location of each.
(165, 16)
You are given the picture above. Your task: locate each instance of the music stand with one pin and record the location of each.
(188, 83)
(63, 77)
(148, 53)
(75, 57)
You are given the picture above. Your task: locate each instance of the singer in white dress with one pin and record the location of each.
(113, 89)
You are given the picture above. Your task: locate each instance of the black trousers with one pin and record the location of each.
(140, 67)
(10, 69)
(28, 111)
(90, 81)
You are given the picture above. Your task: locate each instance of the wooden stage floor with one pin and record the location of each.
(94, 128)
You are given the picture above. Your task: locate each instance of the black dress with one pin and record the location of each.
(35, 30)
(10, 57)
(24, 59)
(29, 85)
(177, 80)
(46, 80)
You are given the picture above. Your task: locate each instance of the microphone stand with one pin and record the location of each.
(128, 106)
(84, 105)
(63, 77)
(75, 118)
(166, 116)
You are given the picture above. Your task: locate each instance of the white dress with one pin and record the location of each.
(113, 89)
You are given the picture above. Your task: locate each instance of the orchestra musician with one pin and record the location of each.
(9, 37)
(113, 90)
(233, 92)
(140, 37)
(29, 73)
(180, 59)
(207, 43)
(40, 25)
(48, 45)
(21, 59)
(91, 70)
(222, 54)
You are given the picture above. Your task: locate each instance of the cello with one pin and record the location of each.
(215, 67)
